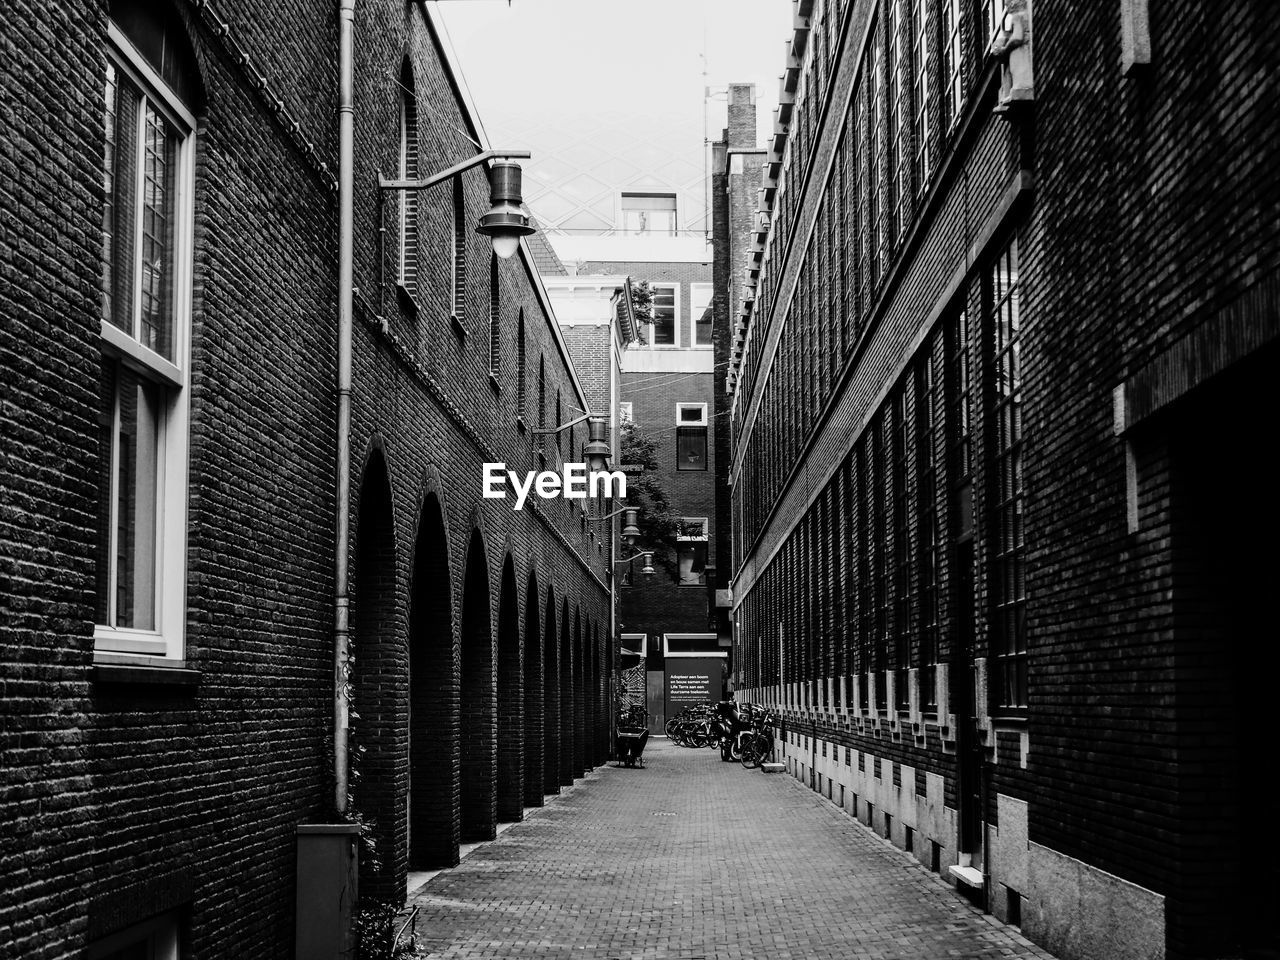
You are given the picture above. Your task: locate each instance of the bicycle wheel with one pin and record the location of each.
(753, 749)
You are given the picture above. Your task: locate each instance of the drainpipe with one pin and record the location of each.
(341, 602)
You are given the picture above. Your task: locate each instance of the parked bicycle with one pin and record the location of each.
(692, 726)
(756, 745)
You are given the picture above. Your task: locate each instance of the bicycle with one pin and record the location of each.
(757, 744)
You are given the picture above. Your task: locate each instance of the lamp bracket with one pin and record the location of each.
(457, 168)
(547, 431)
(610, 516)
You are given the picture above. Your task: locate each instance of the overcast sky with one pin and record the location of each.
(558, 57)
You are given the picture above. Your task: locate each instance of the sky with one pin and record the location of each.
(568, 59)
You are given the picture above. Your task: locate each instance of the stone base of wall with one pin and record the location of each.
(1071, 908)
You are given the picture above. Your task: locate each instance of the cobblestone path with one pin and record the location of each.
(692, 858)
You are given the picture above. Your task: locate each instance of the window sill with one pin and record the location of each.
(408, 302)
(172, 673)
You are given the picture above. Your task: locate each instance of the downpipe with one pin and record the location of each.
(346, 221)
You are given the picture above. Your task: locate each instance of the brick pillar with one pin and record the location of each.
(533, 697)
(510, 702)
(550, 700)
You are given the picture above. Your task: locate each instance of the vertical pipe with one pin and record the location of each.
(341, 604)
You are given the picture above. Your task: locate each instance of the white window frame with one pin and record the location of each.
(693, 317)
(668, 653)
(167, 640)
(702, 538)
(702, 415)
(621, 213)
(642, 648)
(626, 411)
(675, 320)
(161, 931)
(404, 199)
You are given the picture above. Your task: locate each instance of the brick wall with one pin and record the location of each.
(129, 798)
(1109, 749)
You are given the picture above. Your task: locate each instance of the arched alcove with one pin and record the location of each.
(433, 699)
(377, 677)
(479, 700)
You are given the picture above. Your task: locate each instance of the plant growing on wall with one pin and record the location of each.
(659, 527)
(642, 306)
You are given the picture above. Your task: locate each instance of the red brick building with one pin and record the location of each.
(997, 499)
(171, 352)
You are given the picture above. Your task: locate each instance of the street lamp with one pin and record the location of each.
(647, 569)
(505, 222)
(630, 530)
(596, 451)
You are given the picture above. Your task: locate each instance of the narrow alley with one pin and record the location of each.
(690, 858)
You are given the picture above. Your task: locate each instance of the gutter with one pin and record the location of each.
(346, 220)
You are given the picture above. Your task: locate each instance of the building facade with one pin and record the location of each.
(171, 353)
(1011, 298)
(665, 391)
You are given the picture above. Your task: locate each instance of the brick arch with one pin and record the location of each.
(434, 802)
(478, 732)
(377, 674)
(550, 698)
(533, 705)
(510, 704)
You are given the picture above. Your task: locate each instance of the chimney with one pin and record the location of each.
(742, 116)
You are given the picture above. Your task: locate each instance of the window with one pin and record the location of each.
(899, 115)
(542, 412)
(664, 316)
(920, 28)
(1010, 560)
(407, 272)
(900, 441)
(652, 214)
(700, 314)
(875, 168)
(559, 420)
(521, 375)
(952, 91)
(143, 397)
(879, 562)
(495, 328)
(926, 439)
(156, 939)
(992, 13)
(691, 552)
(625, 412)
(691, 436)
(459, 252)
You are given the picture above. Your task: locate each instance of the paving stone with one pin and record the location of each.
(691, 857)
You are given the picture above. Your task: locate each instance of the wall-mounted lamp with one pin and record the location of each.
(647, 569)
(630, 529)
(505, 223)
(596, 450)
